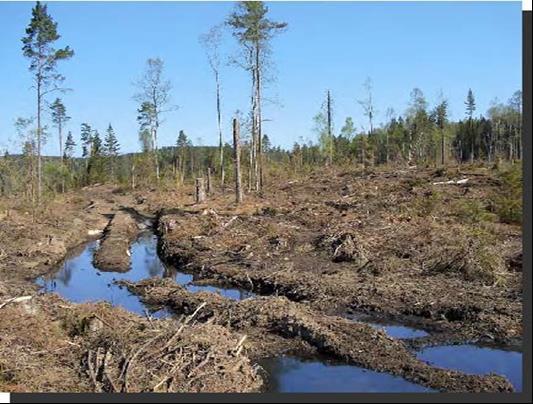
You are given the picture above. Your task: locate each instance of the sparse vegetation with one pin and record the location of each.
(416, 219)
(507, 199)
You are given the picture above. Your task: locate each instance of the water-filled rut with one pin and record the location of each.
(79, 280)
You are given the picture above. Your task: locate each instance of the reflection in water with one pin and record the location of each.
(79, 281)
(392, 330)
(297, 375)
(476, 360)
(400, 331)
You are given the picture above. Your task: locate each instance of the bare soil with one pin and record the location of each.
(360, 242)
(388, 244)
(113, 253)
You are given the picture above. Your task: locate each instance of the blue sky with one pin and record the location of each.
(336, 45)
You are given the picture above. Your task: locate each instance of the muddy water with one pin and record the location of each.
(77, 279)
(476, 360)
(297, 375)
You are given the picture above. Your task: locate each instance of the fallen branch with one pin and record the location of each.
(452, 182)
(16, 300)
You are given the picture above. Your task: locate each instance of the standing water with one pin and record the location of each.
(393, 330)
(476, 360)
(297, 375)
(79, 281)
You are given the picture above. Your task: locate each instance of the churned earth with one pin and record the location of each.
(322, 257)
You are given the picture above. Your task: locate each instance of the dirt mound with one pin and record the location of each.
(113, 254)
(346, 247)
(356, 343)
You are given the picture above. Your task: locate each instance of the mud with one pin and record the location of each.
(381, 244)
(319, 247)
(354, 343)
(114, 252)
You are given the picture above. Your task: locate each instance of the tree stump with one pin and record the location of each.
(199, 190)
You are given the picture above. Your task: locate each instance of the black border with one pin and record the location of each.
(524, 397)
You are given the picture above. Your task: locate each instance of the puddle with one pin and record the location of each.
(296, 375)
(476, 360)
(79, 281)
(397, 331)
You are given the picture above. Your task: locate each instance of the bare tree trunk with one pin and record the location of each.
(39, 139)
(442, 148)
(330, 134)
(132, 174)
(60, 132)
(472, 146)
(154, 148)
(209, 190)
(199, 190)
(250, 166)
(237, 161)
(511, 151)
(387, 147)
(259, 119)
(220, 140)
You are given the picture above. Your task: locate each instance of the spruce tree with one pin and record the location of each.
(111, 145)
(69, 147)
(111, 149)
(470, 108)
(59, 118)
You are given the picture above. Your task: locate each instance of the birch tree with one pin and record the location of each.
(211, 42)
(154, 98)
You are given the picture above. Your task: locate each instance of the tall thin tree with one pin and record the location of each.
(59, 118)
(367, 104)
(237, 160)
(254, 31)
(111, 149)
(441, 115)
(41, 34)
(470, 104)
(212, 41)
(154, 96)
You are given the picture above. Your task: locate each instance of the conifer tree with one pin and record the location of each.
(41, 34)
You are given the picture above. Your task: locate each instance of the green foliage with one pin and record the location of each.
(508, 199)
(69, 146)
(426, 204)
(470, 104)
(86, 139)
(250, 23)
(468, 252)
(111, 145)
(41, 33)
(55, 175)
(472, 211)
(59, 113)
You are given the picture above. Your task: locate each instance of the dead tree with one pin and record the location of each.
(237, 161)
(330, 131)
(132, 175)
(199, 190)
(212, 42)
(209, 181)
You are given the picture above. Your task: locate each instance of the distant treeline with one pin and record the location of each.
(422, 135)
